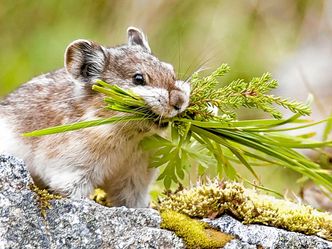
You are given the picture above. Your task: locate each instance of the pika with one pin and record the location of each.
(108, 156)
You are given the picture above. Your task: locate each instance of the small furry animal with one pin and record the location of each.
(108, 156)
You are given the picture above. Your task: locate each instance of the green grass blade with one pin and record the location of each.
(201, 132)
(80, 125)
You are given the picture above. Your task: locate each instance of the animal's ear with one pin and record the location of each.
(85, 60)
(137, 37)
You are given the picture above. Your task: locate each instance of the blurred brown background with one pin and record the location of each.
(291, 39)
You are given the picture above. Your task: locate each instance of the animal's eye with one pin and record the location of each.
(138, 79)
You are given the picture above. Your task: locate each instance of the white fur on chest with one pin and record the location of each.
(92, 158)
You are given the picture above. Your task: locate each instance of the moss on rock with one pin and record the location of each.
(44, 198)
(100, 196)
(196, 234)
(216, 198)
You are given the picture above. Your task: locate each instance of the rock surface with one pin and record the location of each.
(86, 224)
(71, 223)
(252, 236)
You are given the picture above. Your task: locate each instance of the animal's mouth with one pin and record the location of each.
(161, 124)
(158, 120)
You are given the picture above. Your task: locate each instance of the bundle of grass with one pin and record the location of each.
(220, 141)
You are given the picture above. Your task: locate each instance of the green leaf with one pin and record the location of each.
(167, 182)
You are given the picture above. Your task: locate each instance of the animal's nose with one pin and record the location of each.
(176, 99)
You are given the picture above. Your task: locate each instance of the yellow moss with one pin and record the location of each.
(44, 198)
(216, 198)
(196, 234)
(100, 196)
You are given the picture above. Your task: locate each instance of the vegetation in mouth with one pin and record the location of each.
(162, 124)
(200, 136)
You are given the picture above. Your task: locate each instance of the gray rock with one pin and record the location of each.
(86, 224)
(71, 223)
(236, 244)
(266, 237)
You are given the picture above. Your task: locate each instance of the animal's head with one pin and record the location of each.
(130, 66)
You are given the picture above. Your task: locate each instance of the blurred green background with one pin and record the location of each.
(252, 36)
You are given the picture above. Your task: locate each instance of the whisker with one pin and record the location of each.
(207, 58)
(200, 69)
